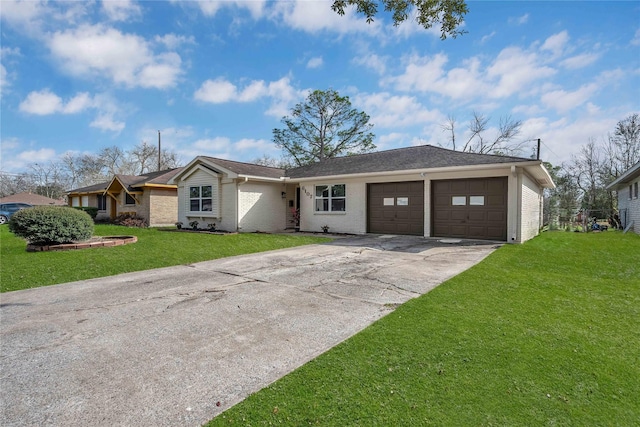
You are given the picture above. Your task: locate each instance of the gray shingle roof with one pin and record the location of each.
(419, 157)
(132, 181)
(248, 168)
(95, 188)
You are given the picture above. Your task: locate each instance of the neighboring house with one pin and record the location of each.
(626, 186)
(148, 196)
(424, 190)
(32, 199)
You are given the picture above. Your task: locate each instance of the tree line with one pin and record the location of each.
(581, 182)
(54, 178)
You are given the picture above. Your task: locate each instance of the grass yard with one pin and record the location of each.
(21, 269)
(545, 333)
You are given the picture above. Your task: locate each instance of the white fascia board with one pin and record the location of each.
(262, 178)
(423, 172)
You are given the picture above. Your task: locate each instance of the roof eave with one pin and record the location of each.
(528, 164)
(622, 180)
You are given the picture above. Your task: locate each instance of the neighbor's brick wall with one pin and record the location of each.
(164, 206)
(531, 195)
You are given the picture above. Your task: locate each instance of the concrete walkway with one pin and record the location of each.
(179, 345)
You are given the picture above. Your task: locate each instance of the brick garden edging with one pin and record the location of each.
(98, 242)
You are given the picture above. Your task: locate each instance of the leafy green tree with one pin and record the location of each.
(322, 127)
(447, 14)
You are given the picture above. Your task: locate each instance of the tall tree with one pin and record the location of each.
(323, 127)
(448, 15)
(479, 137)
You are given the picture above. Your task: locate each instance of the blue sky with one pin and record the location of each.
(216, 77)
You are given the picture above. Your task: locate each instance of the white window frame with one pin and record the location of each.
(330, 198)
(201, 198)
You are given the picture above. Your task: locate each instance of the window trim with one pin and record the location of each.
(330, 198)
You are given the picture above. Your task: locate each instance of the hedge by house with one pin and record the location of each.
(51, 224)
(91, 210)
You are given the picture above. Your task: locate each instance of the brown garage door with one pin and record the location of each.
(396, 208)
(470, 208)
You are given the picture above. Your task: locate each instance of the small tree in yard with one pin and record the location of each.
(323, 127)
(51, 224)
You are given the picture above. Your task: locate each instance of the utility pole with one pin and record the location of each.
(538, 152)
(160, 150)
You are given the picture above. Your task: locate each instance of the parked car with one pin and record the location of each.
(8, 209)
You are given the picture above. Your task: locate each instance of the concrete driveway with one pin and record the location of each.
(179, 345)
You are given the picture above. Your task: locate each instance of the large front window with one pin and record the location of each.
(331, 198)
(200, 198)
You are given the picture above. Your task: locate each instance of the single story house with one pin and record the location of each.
(32, 199)
(626, 186)
(149, 196)
(424, 190)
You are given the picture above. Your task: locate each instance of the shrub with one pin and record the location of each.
(51, 224)
(92, 211)
(130, 220)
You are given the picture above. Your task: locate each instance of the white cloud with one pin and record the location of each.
(216, 144)
(580, 61)
(317, 16)
(35, 156)
(372, 61)
(173, 41)
(42, 103)
(45, 102)
(635, 41)
(392, 111)
(556, 43)
(519, 20)
(315, 62)
(487, 37)
(515, 69)
(106, 121)
(216, 91)
(127, 59)
(121, 10)
(563, 101)
(210, 8)
(255, 145)
(220, 90)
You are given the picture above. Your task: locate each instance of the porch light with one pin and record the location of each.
(284, 194)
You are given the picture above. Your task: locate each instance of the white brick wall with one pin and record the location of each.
(228, 220)
(261, 207)
(530, 202)
(353, 220)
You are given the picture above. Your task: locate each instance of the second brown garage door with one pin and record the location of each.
(396, 208)
(470, 208)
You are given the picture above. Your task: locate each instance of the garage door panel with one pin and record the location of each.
(404, 218)
(482, 217)
(477, 216)
(496, 200)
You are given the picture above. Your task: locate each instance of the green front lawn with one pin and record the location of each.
(154, 249)
(545, 333)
